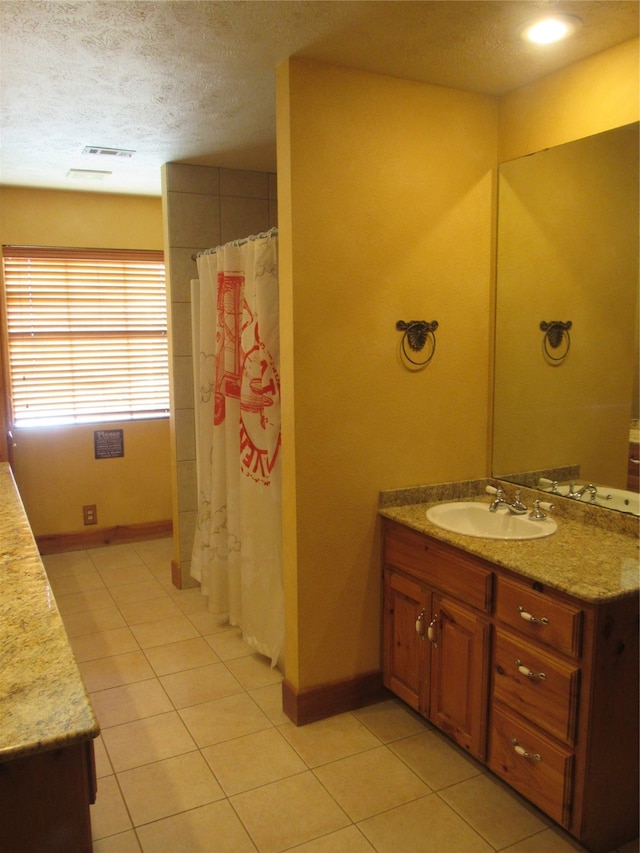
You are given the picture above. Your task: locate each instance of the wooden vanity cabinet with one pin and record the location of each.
(540, 685)
(436, 634)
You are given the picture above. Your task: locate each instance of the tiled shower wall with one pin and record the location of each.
(203, 207)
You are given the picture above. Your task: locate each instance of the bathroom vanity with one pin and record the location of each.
(47, 724)
(525, 653)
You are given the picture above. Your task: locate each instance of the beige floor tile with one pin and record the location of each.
(103, 765)
(109, 814)
(223, 719)
(193, 686)
(552, 840)
(254, 760)
(329, 740)
(143, 741)
(391, 720)
(137, 591)
(67, 563)
(92, 621)
(214, 828)
(77, 582)
(151, 609)
(370, 782)
(435, 759)
(124, 842)
(162, 631)
(114, 671)
(130, 702)
(494, 810)
(348, 840)
(269, 698)
(155, 551)
(211, 623)
(229, 644)
(126, 575)
(288, 812)
(254, 671)
(176, 657)
(168, 787)
(114, 557)
(423, 826)
(104, 644)
(190, 600)
(78, 602)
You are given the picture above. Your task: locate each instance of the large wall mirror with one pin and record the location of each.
(568, 222)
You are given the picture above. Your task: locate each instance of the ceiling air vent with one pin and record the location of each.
(108, 152)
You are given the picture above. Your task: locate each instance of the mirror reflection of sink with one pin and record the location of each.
(474, 519)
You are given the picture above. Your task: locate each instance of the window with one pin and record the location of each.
(86, 335)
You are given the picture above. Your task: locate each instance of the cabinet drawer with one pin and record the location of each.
(447, 569)
(537, 685)
(539, 615)
(532, 764)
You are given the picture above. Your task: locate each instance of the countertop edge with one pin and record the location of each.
(562, 561)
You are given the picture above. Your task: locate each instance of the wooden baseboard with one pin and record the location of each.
(326, 700)
(58, 543)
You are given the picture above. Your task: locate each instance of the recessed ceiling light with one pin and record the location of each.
(550, 29)
(87, 174)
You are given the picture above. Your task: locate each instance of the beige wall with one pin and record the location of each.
(55, 469)
(203, 207)
(385, 191)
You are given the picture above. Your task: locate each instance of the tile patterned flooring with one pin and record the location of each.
(196, 754)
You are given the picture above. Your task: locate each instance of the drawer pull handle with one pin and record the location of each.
(431, 633)
(524, 670)
(632, 460)
(420, 625)
(529, 618)
(533, 756)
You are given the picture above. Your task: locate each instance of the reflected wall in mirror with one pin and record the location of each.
(568, 250)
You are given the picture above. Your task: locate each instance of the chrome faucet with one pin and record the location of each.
(516, 507)
(578, 493)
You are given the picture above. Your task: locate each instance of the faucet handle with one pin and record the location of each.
(493, 490)
(537, 513)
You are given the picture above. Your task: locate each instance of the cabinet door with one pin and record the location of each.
(405, 646)
(459, 673)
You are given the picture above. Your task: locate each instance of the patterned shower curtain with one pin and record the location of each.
(237, 553)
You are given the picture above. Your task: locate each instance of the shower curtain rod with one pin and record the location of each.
(270, 233)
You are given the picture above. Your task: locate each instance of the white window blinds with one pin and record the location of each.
(86, 335)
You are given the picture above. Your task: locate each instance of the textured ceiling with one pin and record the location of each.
(194, 81)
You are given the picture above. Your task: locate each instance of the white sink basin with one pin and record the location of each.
(474, 519)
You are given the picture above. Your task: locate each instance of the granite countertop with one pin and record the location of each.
(593, 559)
(43, 701)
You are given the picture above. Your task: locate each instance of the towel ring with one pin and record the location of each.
(554, 336)
(416, 333)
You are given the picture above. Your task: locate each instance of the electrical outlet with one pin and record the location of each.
(90, 514)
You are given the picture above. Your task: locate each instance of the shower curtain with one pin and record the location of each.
(237, 552)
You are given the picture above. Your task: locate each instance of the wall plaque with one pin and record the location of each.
(108, 443)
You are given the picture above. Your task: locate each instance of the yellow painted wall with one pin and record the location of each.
(385, 191)
(599, 93)
(55, 469)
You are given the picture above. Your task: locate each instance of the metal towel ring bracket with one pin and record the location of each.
(554, 337)
(416, 333)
